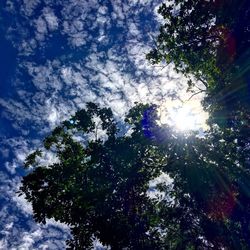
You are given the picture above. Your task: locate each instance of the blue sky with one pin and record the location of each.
(55, 57)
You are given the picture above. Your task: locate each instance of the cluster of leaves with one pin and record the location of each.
(99, 186)
(208, 39)
(188, 39)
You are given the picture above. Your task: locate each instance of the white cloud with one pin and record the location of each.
(3, 244)
(153, 192)
(17, 229)
(11, 167)
(41, 27)
(22, 204)
(53, 116)
(28, 7)
(51, 19)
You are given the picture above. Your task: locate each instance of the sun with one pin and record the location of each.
(184, 119)
(183, 116)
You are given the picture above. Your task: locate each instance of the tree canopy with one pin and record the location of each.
(99, 184)
(208, 39)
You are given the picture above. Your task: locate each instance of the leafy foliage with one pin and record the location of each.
(208, 39)
(211, 180)
(99, 187)
(99, 184)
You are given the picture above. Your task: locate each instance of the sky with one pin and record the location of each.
(57, 55)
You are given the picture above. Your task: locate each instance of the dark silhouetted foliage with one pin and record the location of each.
(99, 185)
(208, 39)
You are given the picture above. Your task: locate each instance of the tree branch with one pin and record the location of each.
(202, 90)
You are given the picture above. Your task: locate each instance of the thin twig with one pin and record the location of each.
(202, 90)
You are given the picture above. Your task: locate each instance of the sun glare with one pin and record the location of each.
(184, 119)
(183, 116)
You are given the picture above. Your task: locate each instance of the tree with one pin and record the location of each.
(210, 202)
(98, 185)
(208, 40)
